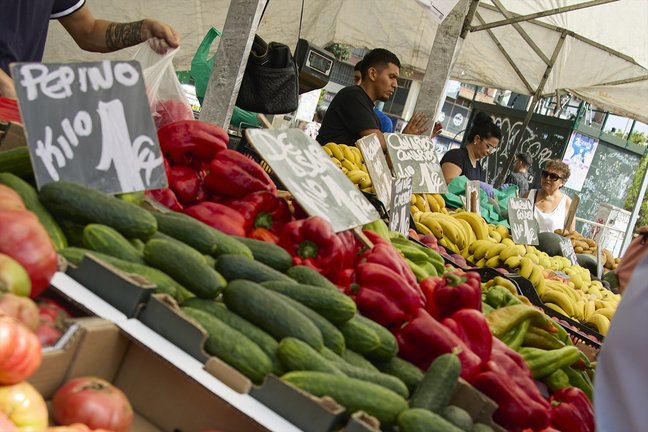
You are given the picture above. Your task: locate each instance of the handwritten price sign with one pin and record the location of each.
(377, 167)
(89, 123)
(524, 227)
(414, 156)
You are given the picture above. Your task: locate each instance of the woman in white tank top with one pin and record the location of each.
(550, 204)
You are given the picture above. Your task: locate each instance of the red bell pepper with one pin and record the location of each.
(571, 410)
(166, 197)
(263, 209)
(391, 257)
(263, 235)
(424, 338)
(313, 243)
(374, 278)
(218, 216)
(186, 183)
(191, 142)
(470, 325)
(451, 292)
(230, 174)
(24, 239)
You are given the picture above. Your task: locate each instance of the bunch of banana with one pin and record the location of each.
(498, 232)
(477, 224)
(349, 160)
(454, 234)
(422, 202)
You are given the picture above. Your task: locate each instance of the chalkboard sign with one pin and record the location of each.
(472, 196)
(401, 193)
(310, 175)
(377, 167)
(568, 250)
(89, 123)
(524, 227)
(545, 138)
(414, 155)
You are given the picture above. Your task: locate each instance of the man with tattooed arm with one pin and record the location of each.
(23, 30)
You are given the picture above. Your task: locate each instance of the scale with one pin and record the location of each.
(315, 66)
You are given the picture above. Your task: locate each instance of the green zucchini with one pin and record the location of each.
(422, 420)
(310, 276)
(298, 355)
(268, 311)
(354, 395)
(458, 417)
(403, 370)
(438, 384)
(185, 267)
(232, 346)
(240, 267)
(83, 205)
(356, 359)
(33, 204)
(16, 161)
(388, 344)
(358, 336)
(334, 306)
(268, 253)
(102, 238)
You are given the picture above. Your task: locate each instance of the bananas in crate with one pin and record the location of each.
(349, 160)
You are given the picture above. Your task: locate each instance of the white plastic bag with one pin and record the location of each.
(166, 96)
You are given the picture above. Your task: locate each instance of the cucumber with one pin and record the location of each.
(199, 235)
(232, 346)
(218, 310)
(188, 269)
(354, 395)
(458, 417)
(403, 370)
(334, 306)
(240, 267)
(102, 238)
(267, 253)
(164, 284)
(33, 204)
(422, 420)
(356, 359)
(73, 233)
(298, 355)
(388, 381)
(358, 336)
(83, 205)
(481, 427)
(310, 276)
(388, 344)
(268, 311)
(438, 384)
(333, 338)
(188, 249)
(137, 244)
(16, 161)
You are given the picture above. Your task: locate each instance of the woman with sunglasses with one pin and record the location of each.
(483, 139)
(550, 204)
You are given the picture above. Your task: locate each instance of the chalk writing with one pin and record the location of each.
(524, 227)
(377, 167)
(415, 156)
(400, 204)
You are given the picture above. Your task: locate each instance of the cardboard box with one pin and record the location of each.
(163, 397)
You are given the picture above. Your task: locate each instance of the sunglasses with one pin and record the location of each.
(551, 175)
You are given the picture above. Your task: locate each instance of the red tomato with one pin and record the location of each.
(24, 407)
(10, 200)
(93, 402)
(47, 334)
(21, 308)
(20, 351)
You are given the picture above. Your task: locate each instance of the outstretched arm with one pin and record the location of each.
(7, 89)
(96, 35)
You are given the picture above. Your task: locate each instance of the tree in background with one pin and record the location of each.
(633, 193)
(341, 52)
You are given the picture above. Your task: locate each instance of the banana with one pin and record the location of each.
(415, 210)
(432, 224)
(348, 153)
(481, 250)
(607, 312)
(366, 183)
(508, 251)
(555, 307)
(422, 228)
(473, 246)
(559, 298)
(448, 244)
(495, 235)
(533, 257)
(503, 231)
(422, 203)
(493, 261)
(336, 150)
(452, 230)
(513, 262)
(337, 162)
(508, 241)
(590, 308)
(468, 231)
(495, 250)
(413, 199)
(358, 156)
(439, 199)
(577, 280)
(351, 166)
(328, 151)
(476, 222)
(357, 176)
(526, 267)
(537, 279)
(521, 248)
(434, 205)
(601, 322)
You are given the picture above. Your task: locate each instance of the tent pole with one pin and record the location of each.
(242, 20)
(627, 238)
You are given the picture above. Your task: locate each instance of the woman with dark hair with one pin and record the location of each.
(550, 204)
(483, 139)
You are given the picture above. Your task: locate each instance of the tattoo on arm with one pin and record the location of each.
(122, 35)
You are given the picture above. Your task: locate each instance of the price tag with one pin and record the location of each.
(377, 167)
(472, 196)
(414, 156)
(524, 227)
(568, 250)
(312, 178)
(401, 194)
(89, 123)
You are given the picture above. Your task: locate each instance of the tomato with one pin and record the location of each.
(20, 351)
(48, 334)
(13, 277)
(21, 308)
(93, 402)
(23, 406)
(9, 199)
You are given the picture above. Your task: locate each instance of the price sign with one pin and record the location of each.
(568, 250)
(313, 179)
(401, 194)
(377, 167)
(472, 196)
(89, 123)
(524, 227)
(414, 156)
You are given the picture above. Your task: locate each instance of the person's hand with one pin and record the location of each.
(436, 129)
(161, 36)
(505, 186)
(417, 125)
(490, 191)
(7, 89)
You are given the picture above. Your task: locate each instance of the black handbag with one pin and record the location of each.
(270, 83)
